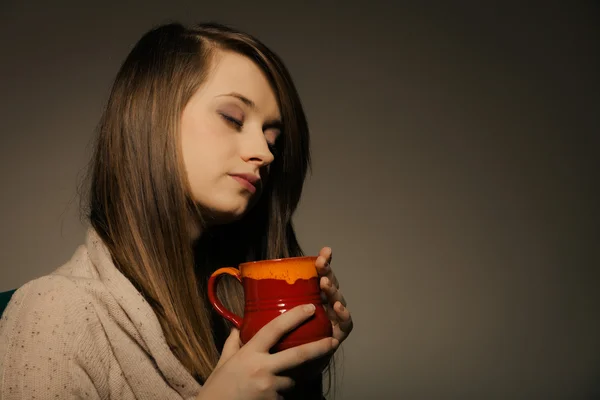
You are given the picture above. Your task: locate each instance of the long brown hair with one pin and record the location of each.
(139, 201)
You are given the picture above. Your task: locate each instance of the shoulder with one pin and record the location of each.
(49, 305)
(47, 292)
(51, 331)
(67, 289)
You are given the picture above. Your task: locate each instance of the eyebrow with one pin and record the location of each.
(241, 97)
(275, 123)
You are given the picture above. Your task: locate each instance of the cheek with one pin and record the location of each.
(207, 150)
(192, 150)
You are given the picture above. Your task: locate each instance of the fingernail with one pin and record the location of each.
(342, 308)
(309, 308)
(335, 343)
(327, 282)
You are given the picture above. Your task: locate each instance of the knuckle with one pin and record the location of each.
(264, 384)
(256, 370)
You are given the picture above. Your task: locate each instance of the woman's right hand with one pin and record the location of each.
(249, 372)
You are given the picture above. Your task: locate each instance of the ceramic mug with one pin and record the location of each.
(271, 287)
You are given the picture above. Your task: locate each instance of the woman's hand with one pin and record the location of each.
(335, 302)
(250, 372)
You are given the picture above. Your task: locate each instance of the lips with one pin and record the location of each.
(248, 181)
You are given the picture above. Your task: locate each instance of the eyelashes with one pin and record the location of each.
(237, 124)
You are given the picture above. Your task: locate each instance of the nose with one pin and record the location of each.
(255, 148)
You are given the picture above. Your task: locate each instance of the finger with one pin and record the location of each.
(231, 346)
(284, 383)
(326, 253)
(270, 334)
(331, 314)
(344, 325)
(332, 292)
(328, 308)
(323, 296)
(324, 269)
(324, 257)
(327, 272)
(292, 357)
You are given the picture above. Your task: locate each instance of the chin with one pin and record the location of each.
(225, 215)
(226, 207)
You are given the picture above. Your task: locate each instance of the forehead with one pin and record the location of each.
(233, 72)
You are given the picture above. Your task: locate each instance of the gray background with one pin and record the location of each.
(456, 174)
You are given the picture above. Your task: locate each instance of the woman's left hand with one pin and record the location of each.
(336, 303)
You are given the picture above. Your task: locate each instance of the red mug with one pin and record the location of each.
(271, 287)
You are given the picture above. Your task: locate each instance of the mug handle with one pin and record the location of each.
(214, 300)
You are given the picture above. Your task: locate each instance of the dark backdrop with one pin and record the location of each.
(455, 175)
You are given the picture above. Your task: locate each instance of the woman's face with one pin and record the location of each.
(227, 130)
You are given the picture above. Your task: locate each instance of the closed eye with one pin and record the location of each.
(273, 147)
(237, 123)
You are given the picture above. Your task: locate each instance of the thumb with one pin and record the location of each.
(231, 346)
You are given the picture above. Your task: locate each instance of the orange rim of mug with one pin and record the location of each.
(289, 259)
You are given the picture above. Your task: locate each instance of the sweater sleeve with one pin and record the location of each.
(52, 345)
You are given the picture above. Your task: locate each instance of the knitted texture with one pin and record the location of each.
(84, 331)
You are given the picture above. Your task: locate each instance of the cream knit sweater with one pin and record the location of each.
(85, 332)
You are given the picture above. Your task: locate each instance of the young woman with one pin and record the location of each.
(199, 163)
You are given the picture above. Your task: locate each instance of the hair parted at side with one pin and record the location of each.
(139, 200)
